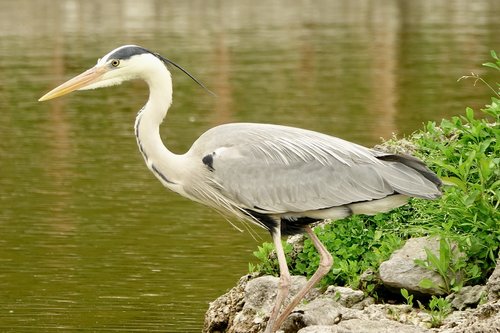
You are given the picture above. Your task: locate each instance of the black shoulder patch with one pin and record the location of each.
(127, 52)
(208, 160)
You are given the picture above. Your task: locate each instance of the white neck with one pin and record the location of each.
(147, 125)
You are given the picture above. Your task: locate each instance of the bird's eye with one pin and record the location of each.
(115, 62)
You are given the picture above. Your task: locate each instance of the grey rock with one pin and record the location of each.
(467, 297)
(345, 296)
(261, 292)
(401, 313)
(259, 296)
(364, 303)
(369, 276)
(325, 311)
(319, 329)
(397, 146)
(221, 312)
(321, 311)
(400, 271)
(365, 326)
(493, 284)
(245, 309)
(484, 319)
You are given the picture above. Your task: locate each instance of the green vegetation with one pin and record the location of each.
(439, 308)
(268, 260)
(448, 264)
(407, 296)
(465, 152)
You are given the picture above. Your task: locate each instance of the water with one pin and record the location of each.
(89, 239)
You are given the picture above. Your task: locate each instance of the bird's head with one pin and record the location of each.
(122, 64)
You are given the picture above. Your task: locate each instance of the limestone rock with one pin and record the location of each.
(319, 329)
(246, 307)
(364, 326)
(469, 296)
(484, 319)
(261, 292)
(345, 296)
(324, 314)
(258, 301)
(321, 311)
(400, 271)
(493, 284)
(222, 311)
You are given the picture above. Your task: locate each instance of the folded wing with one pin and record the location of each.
(280, 169)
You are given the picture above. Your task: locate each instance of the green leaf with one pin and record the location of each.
(448, 167)
(484, 167)
(421, 263)
(455, 181)
(494, 54)
(471, 198)
(469, 112)
(427, 284)
(444, 255)
(433, 259)
(492, 65)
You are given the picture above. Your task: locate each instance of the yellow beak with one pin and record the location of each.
(88, 77)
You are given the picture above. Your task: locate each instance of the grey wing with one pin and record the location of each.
(281, 169)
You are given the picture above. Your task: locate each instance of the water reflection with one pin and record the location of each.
(90, 240)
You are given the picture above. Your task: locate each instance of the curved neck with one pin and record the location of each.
(147, 125)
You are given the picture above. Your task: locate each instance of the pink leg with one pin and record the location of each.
(284, 283)
(325, 263)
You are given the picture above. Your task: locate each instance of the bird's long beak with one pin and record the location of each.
(86, 78)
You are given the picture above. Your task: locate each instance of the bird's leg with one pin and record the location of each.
(284, 283)
(325, 263)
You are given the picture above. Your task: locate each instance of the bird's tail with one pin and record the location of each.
(430, 188)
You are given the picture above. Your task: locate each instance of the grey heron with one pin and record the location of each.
(280, 178)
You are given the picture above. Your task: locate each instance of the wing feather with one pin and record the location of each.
(282, 169)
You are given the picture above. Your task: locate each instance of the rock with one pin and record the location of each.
(397, 146)
(364, 303)
(484, 319)
(246, 307)
(324, 314)
(319, 329)
(400, 271)
(253, 299)
(261, 292)
(345, 296)
(401, 313)
(222, 311)
(467, 297)
(321, 311)
(493, 284)
(364, 326)
(369, 276)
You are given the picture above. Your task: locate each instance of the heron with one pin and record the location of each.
(281, 178)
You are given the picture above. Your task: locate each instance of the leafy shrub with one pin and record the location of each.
(438, 308)
(448, 264)
(356, 244)
(466, 153)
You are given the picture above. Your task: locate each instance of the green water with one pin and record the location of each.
(89, 239)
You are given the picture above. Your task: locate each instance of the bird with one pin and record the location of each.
(283, 179)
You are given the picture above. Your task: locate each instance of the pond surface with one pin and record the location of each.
(89, 239)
